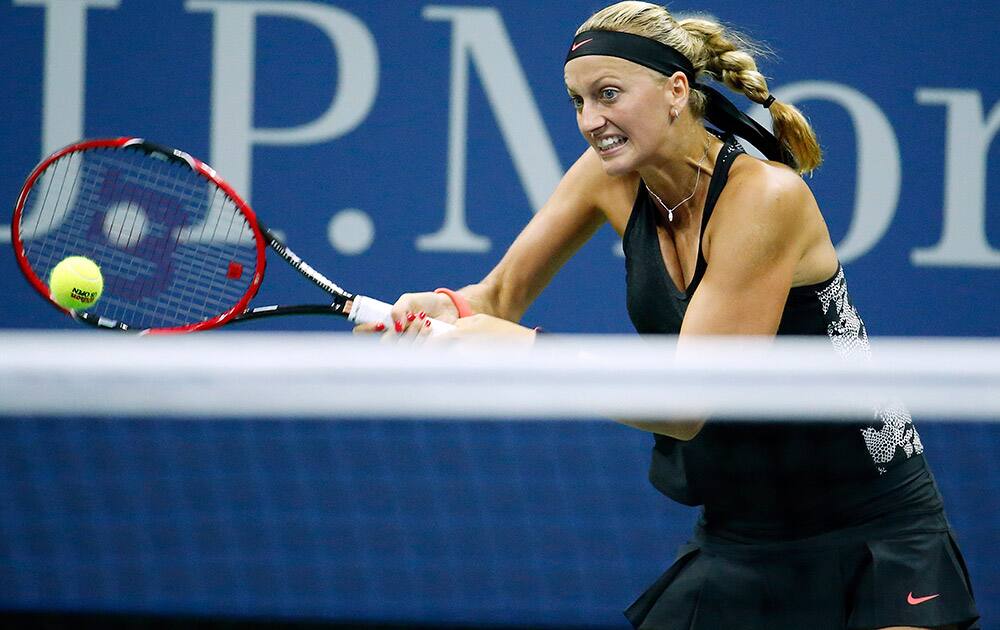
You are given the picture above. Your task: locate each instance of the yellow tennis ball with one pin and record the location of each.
(76, 283)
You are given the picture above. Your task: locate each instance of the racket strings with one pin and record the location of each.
(173, 247)
(50, 210)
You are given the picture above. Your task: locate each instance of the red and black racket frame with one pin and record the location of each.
(262, 236)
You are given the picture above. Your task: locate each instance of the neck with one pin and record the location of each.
(672, 177)
(677, 183)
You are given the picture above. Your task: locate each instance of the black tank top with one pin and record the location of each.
(769, 479)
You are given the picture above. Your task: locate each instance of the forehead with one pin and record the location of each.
(579, 73)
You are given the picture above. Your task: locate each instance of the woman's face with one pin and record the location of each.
(622, 110)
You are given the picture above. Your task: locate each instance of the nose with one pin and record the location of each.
(591, 120)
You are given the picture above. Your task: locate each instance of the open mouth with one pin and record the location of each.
(610, 143)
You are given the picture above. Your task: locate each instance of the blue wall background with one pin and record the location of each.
(189, 516)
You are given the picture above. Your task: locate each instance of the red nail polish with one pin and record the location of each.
(427, 323)
(421, 314)
(399, 326)
(379, 327)
(410, 317)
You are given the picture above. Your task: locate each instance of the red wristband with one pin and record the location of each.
(464, 310)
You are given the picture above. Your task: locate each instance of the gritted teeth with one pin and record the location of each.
(611, 142)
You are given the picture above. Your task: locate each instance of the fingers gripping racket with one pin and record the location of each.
(179, 250)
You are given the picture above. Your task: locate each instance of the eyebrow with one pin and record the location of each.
(603, 77)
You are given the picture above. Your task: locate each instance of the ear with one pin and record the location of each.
(677, 90)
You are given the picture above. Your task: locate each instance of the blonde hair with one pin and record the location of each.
(718, 53)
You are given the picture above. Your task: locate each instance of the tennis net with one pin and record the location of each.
(297, 477)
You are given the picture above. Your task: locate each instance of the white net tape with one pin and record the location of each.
(338, 376)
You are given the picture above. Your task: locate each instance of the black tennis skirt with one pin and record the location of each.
(857, 578)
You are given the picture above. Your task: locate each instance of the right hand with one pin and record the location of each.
(410, 312)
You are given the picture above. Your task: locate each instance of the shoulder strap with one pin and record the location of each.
(730, 149)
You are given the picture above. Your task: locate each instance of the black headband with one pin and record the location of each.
(635, 48)
(667, 60)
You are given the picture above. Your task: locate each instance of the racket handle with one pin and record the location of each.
(368, 310)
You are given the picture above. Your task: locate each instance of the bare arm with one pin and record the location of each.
(584, 199)
(571, 216)
(752, 248)
(764, 231)
(579, 206)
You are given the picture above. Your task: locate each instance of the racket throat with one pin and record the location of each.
(302, 266)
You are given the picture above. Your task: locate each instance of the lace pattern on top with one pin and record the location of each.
(892, 430)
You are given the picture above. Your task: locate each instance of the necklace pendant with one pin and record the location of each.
(697, 180)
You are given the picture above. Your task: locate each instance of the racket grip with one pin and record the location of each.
(366, 310)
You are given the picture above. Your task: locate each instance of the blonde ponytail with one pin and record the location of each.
(729, 57)
(721, 54)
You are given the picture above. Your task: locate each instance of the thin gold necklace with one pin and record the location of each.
(670, 211)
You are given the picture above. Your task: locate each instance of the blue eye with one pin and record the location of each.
(609, 94)
(576, 101)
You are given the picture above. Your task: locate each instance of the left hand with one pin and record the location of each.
(480, 326)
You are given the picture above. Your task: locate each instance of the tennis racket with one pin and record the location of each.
(178, 248)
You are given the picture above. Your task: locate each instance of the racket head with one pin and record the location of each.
(179, 249)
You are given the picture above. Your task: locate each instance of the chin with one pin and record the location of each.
(618, 165)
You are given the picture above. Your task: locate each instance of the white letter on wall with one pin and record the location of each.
(63, 89)
(878, 176)
(963, 239)
(233, 58)
(479, 37)
(65, 66)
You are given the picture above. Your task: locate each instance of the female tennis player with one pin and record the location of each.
(819, 526)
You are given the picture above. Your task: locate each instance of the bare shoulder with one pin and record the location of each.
(767, 211)
(773, 189)
(761, 197)
(612, 195)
